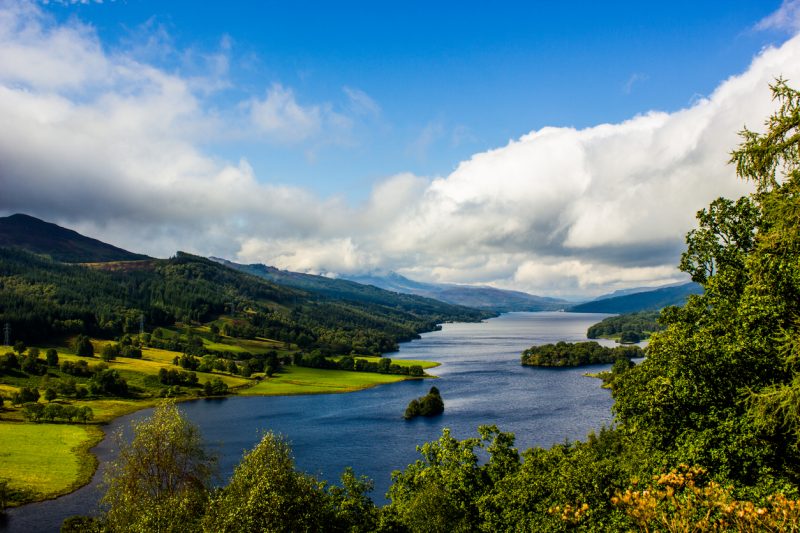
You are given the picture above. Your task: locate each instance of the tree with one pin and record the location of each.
(52, 357)
(83, 346)
(50, 394)
(266, 493)
(442, 491)
(737, 340)
(19, 347)
(160, 480)
(110, 352)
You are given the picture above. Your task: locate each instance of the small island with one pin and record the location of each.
(563, 354)
(429, 405)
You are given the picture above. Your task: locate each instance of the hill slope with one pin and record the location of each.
(29, 233)
(651, 300)
(43, 297)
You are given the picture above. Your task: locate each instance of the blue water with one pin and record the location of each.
(481, 382)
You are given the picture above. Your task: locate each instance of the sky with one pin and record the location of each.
(557, 148)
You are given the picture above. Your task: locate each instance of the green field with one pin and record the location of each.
(301, 380)
(43, 461)
(405, 362)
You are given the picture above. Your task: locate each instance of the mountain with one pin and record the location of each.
(43, 297)
(478, 297)
(349, 291)
(649, 300)
(635, 290)
(37, 236)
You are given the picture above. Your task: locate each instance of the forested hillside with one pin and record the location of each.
(34, 235)
(41, 298)
(641, 301)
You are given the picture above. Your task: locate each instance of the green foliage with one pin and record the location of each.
(266, 493)
(108, 382)
(719, 385)
(429, 405)
(215, 387)
(52, 357)
(83, 346)
(576, 354)
(160, 480)
(110, 352)
(643, 324)
(441, 491)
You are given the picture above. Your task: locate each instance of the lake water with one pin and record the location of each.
(481, 382)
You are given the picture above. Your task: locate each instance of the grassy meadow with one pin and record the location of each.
(42, 461)
(45, 460)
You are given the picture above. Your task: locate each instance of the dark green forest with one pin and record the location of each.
(707, 426)
(631, 327)
(563, 354)
(42, 299)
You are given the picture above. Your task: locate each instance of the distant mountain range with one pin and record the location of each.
(68, 246)
(40, 237)
(479, 297)
(339, 289)
(645, 300)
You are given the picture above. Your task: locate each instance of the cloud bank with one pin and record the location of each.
(113, 146)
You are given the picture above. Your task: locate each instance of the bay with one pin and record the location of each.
(481, 382)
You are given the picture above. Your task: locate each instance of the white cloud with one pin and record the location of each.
(280, 117)
(786, 18)
(108, 143)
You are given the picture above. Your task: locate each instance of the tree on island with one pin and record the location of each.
(429, 405)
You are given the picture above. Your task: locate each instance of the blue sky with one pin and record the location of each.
(448, 79)
(561, 149)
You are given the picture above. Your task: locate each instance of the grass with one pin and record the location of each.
(42, 461)
(405, 362)
(301, 380)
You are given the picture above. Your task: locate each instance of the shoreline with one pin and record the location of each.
(88, 461)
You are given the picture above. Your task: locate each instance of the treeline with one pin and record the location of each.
(481, 483)
(383, 365)
(577, 354)
(41, 299)
(632, 327)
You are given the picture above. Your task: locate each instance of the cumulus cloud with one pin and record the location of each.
(110, 144)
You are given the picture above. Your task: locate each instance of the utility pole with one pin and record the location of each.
(141, 325)
(7, 331)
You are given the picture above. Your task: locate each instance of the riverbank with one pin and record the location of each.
(44, 461)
